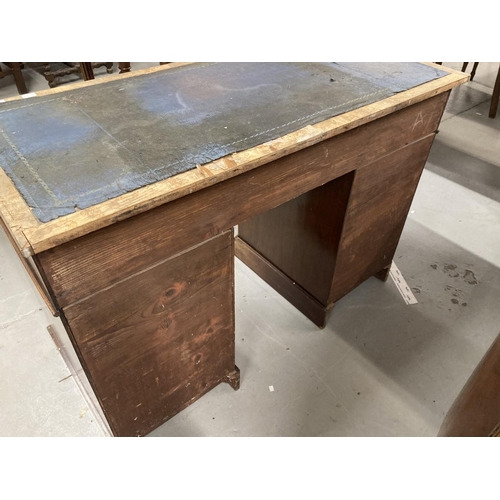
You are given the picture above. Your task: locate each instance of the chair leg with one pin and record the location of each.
(87, 71)
(495, 97)
(18, 78)
(464, 67)
(124, 67)
(473, 72)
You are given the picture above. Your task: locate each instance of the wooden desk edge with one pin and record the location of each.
(34, 237)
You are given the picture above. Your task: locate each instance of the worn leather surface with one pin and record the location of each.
(79, 148)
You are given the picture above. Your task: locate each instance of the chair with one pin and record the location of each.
(85, 69)
(473, 72)
(496, 96)
(15, 69)
(496, 89)
(476, 410)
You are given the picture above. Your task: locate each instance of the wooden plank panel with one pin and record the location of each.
(301, 237)
(285, 286)
(156, 342)
(84, 266)
(380, 199)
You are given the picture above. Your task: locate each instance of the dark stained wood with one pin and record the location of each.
(233, 378)
(476, 410)
(330, 240)
(473, 72)
(157, 341)
(284, 285)
(85, 265)
(496, 431)
(383, 274)
(301, 237)
(15, 69)
(495, 98)
(380, 200)
(87, 71)
(124, 67)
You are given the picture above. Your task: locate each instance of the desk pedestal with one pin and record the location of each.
(157, 341)
(319, 246)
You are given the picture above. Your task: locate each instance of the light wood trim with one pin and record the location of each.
(67, 228)
(15, 214)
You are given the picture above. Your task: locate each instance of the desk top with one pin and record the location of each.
(77, 158)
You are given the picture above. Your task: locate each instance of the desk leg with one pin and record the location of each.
(318, 247)
(157, 341)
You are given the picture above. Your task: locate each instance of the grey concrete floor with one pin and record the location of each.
(379, 368)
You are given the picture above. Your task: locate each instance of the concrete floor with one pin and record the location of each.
(379, 368)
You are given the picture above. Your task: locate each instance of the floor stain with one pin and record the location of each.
(470, 277)
(451, 270)
(456, 292)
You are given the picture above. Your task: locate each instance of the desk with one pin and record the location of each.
(121, 197)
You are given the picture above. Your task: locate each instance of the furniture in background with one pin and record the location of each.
(473, 72)
(85, 69)
(496, 88)
(495, 96)
(15, 69)
(476, 410)
(124, 67)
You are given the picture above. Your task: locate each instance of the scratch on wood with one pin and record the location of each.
(418, 120)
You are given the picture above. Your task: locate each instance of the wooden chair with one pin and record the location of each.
(496, 96)
(15, 69)
(496, 89)
(85, 69)
(476, 410)
(473, 72)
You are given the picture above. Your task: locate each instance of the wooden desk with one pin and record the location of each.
(144, 280)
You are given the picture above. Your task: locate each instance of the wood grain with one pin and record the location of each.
(380, 200)
(283, 284)
(301, 237)
(476, 410)
(157, 341)
(85, 221)
(79, 268)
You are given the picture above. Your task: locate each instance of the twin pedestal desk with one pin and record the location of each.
(121, 194)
